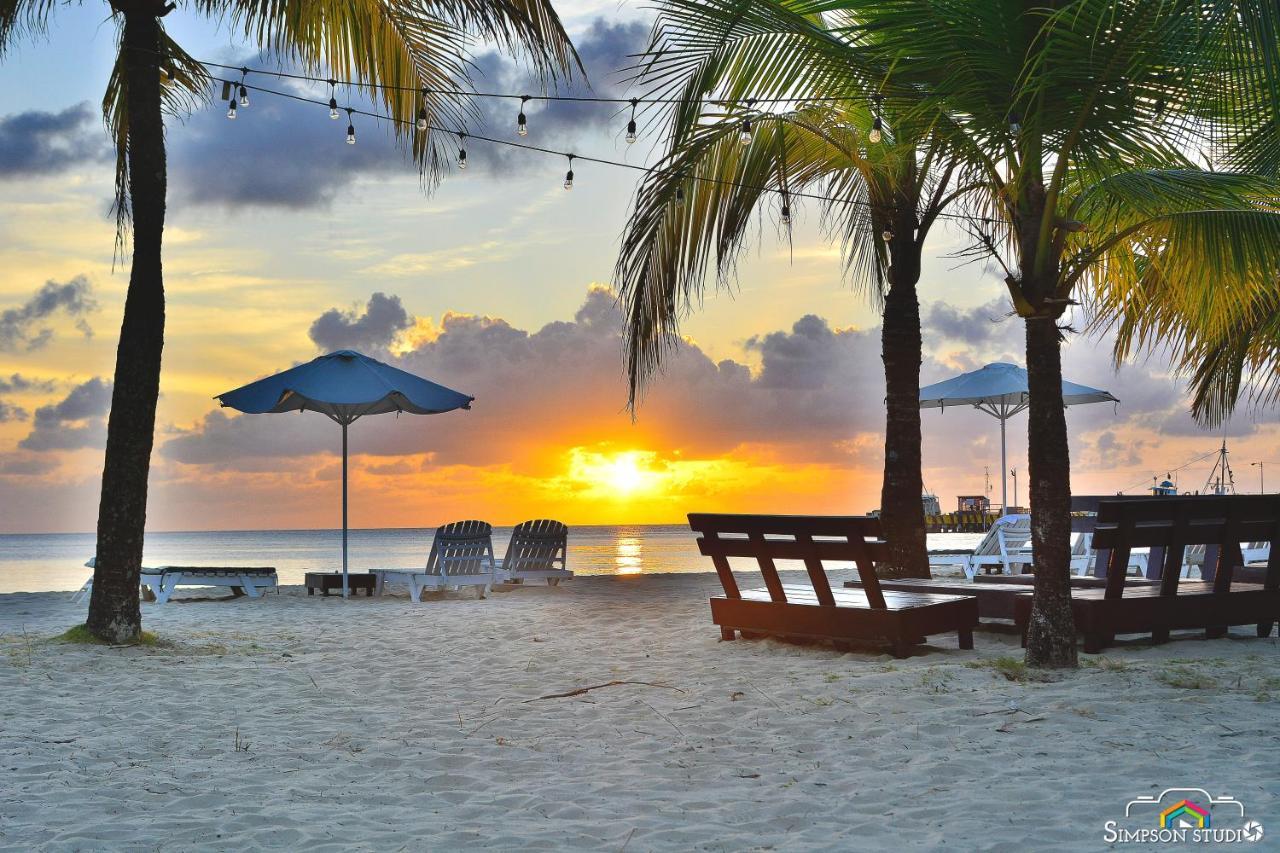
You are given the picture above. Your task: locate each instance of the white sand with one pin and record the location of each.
(382, 725)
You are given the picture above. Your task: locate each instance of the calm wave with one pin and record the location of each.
(55, 561)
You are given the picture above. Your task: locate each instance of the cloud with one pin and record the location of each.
(10, 412)
(18, 326)
(383, 319)
(44, 143)
(20, 383)
(278, 153)
(986, 323)
(607, 51)
(76, 421)
(563, 386)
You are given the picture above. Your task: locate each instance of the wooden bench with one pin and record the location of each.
(1170, 524)
(816, 611)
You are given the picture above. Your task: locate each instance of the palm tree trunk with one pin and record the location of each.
(1051, 637)
(122, 511)
(901, 511)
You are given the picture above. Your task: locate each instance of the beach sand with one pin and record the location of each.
(377, 724)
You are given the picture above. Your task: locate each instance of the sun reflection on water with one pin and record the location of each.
(627, 555)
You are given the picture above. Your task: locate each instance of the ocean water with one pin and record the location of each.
(55, 561)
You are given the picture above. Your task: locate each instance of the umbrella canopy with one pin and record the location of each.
(1000, 384)
(1000, 390)
(345, 385)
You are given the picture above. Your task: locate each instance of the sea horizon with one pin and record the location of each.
(49, 562)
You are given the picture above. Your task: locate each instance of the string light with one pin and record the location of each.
(877, 124)
(786, 209)
(422, 112)
(887, 234)
(244, 93)
(522, 123)
(333, 102)
(231, 107)
(631, 125)
(568, 176)
(351, 127)
(647, 170)
(462, 151)
(1015, 122)
(746, 135)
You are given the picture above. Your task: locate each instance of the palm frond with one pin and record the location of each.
(184, 86)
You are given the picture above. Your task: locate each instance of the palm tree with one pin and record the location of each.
(880, 198)
(1087, 118)
(412, 44)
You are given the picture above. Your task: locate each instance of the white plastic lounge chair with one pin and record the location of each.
(537, 551)
(158, 583)
(461, 555)
(1006, 547)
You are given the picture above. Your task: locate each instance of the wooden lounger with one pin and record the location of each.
(158, 584)
(902, 619)
(996, 599)
(1171, 524)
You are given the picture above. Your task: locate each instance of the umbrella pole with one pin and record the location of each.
(344, 511)
(1004, 474)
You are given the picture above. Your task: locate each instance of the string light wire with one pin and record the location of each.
(635, 167)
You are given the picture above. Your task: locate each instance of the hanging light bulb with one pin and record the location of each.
(1015, 122)
(887, 234)
(422, 112)
(877, 124)
(351, 128)
(679, 196)
(462, 151)
(746, 134)
(568, 176)
(522, 122)
(231, 109)
(333, 102)
(786, 210)
(244, 92)
(631, 125)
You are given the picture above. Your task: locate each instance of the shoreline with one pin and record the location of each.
(378, 723)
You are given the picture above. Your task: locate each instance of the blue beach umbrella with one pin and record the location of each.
(345, 386)
(1000, 390)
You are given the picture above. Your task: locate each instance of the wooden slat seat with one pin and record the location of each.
(816, 611)
(1169, 525)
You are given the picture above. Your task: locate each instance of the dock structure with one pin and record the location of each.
(960, 522)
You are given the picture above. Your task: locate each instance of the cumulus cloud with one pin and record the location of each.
(43, 143)
(10, 412)
(77, 420)
(383, 319)
(562, 385)
(988, 322)
(22, 328)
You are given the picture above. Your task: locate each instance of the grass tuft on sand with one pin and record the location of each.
(1012, 669)
(80, 634)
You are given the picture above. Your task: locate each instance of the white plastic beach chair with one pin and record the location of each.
(1007, 546)
(158, 583)
(461, 555)
(537, 551)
